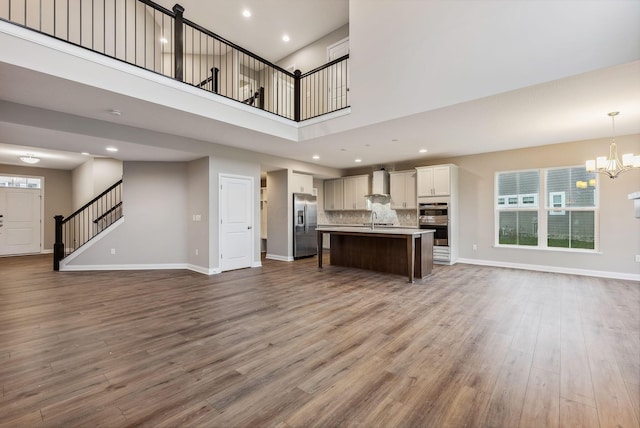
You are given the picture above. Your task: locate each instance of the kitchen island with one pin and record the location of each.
(393, 250)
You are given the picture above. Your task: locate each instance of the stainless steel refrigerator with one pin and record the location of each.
(305, 220)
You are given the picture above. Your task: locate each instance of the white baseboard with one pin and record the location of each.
(554, 269)
(47, 251)
(280, 258)
(203, 270)
(164, 266)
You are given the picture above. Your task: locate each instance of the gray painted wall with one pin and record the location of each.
(315, 54)
(198, 204)
(94, 177)
(278, 223)
(154, 232)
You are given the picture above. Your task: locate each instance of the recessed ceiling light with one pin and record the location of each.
(164, 40)
(85, 153)
(394, 140)
(246, 13)
(358, 160)
(316, 157)
(112, 149)
(115, 112)
(423, 150)
(285, 38)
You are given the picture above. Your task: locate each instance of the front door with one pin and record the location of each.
(20, 221)
(236, 222)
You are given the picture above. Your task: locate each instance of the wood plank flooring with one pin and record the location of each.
(287, 345)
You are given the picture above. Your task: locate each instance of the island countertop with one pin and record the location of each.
(385, 249)
(365, 230)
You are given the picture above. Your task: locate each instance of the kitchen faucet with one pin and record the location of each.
(373, 215)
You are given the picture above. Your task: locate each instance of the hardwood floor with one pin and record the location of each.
(287, 345)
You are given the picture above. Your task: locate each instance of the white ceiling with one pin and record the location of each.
(305, 21)
(562, 105)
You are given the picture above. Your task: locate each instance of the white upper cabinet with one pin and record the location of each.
(434, 181)
(403, 189)
(301, 183)
(355, 190)
(334, 194)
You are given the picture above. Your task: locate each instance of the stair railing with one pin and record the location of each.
(86, 223)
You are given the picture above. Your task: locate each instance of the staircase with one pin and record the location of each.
(86, 223)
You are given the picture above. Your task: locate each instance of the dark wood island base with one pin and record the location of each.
(400, 251)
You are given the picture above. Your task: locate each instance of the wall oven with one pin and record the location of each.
(435, 215)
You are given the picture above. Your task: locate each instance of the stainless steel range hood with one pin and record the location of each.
(379, 184)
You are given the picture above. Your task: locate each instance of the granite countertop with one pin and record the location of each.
(378, 230)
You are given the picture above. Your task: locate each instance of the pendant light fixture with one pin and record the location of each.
(611, 165)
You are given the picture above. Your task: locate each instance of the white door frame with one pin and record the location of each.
(42, 188)
(222, 175)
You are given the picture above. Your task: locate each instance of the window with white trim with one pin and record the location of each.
(566, 217)
(517, 207)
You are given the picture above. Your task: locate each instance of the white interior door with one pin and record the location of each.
(338, 79)
(236, 222)
(20, 221)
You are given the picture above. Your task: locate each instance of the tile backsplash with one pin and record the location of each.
(380, 205)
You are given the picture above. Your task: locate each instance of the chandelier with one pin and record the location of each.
(611, 166)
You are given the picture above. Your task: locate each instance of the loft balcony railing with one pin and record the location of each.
(145, 34)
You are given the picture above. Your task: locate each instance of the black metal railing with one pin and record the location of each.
(150, 36)
(331, 79)
(86, 223)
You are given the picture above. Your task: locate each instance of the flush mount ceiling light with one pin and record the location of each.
(611, 166)
(30, 159)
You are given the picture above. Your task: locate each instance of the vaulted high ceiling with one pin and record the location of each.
(452, 77)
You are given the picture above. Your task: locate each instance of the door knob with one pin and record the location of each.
(249, 227)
